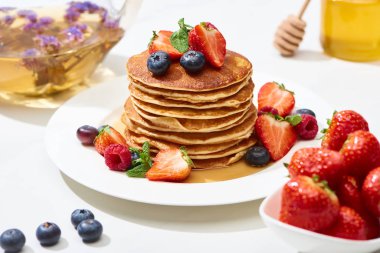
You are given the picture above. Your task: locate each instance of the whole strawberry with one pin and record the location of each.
(107, 136)
(349, 225)
(371, 191)
(361, 153)
(349, 193)
(326, 164)
(342, 124)
(309, 204)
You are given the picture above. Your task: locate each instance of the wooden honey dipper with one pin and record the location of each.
(290, 33)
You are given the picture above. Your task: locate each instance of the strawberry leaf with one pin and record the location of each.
(153, 38)
(186, 157)
(282, 87)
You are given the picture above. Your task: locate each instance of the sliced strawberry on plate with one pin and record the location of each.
(277, 135)
(349, 225)
(161, 42)
(172, 165)
(275, 95)
(308, 203)
(207, 39)
(340, 126)
(107, 136)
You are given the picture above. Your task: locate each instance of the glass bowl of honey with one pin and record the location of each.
(53, 49)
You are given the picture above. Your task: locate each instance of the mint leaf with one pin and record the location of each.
(135, 150)
(294, 119)
(138, 171)
(180, 38)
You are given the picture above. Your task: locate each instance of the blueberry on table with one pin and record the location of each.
(12, 240)
(192, 61)
(80, 215)
(87, 134)
(90, 230)
(305, 111)
(48, 234)
(134, 156)
(257, 156)
(158, 63)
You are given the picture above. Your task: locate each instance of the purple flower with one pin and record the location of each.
(81, 27)
(48, 43)
(111, 23)
(73, 33)
(28, 14)
(31, 61)
(7, 20)
(78, 6)
(6, 9)
(72, 15)
(36, 27)
(31, 52)
(46, 21)
(103, 13)
(91, 7)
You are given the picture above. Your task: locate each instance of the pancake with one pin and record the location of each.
(185, 125)
(235, 69)
(193, 97)
(235, 100)
(189, 113)
(242, 131)
(138, 140)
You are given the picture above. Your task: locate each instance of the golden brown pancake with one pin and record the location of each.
(189, 113)
(235, 100)
(194, 97)
(236, 68)
(170, 124)
(242, 131)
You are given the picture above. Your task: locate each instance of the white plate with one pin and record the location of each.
(103, 104)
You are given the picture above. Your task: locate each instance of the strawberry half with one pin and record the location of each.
(172, 165)
(325, 163)
(340, 126)
(349, 225)
(277, 135)
(361, 153)
(161, 42)
(107, 136)
(276, 96)
(207, 39)
(308, 204)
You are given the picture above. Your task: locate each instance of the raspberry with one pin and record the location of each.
(117, 157)
(267, 109)
(307, 129)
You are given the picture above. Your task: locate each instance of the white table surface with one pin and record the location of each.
(33, 190)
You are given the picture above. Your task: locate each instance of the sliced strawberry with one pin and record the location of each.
(170, 165)
(207, 39)
(161, 42)
(278, 136)
(276, 96)
(107, 136)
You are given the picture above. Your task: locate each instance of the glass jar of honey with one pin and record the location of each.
(350, 29)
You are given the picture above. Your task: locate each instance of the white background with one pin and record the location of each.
(33, 190)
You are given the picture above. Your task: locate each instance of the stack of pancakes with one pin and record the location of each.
(210, 113)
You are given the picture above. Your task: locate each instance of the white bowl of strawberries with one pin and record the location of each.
(332, 201)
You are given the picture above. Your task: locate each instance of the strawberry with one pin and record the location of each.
(342, 124)
(349, 193)
(276, 96)
(326, 164)
(371, 191)
(349, 225)
(170, 165)
(308, 204)
(373, 225)
(276, 134)
(361, 153)
(207, 39)
(107, 136)
(161, 42)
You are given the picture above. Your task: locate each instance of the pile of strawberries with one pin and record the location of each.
(335, 189)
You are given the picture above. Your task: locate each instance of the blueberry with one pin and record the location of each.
(192, 61)
(158, 63)
(12, 240)
(90, 230)
(48, 234)
(257, 156)
(134, 156)
(305, 111)
(87, 134)
(80, 215)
